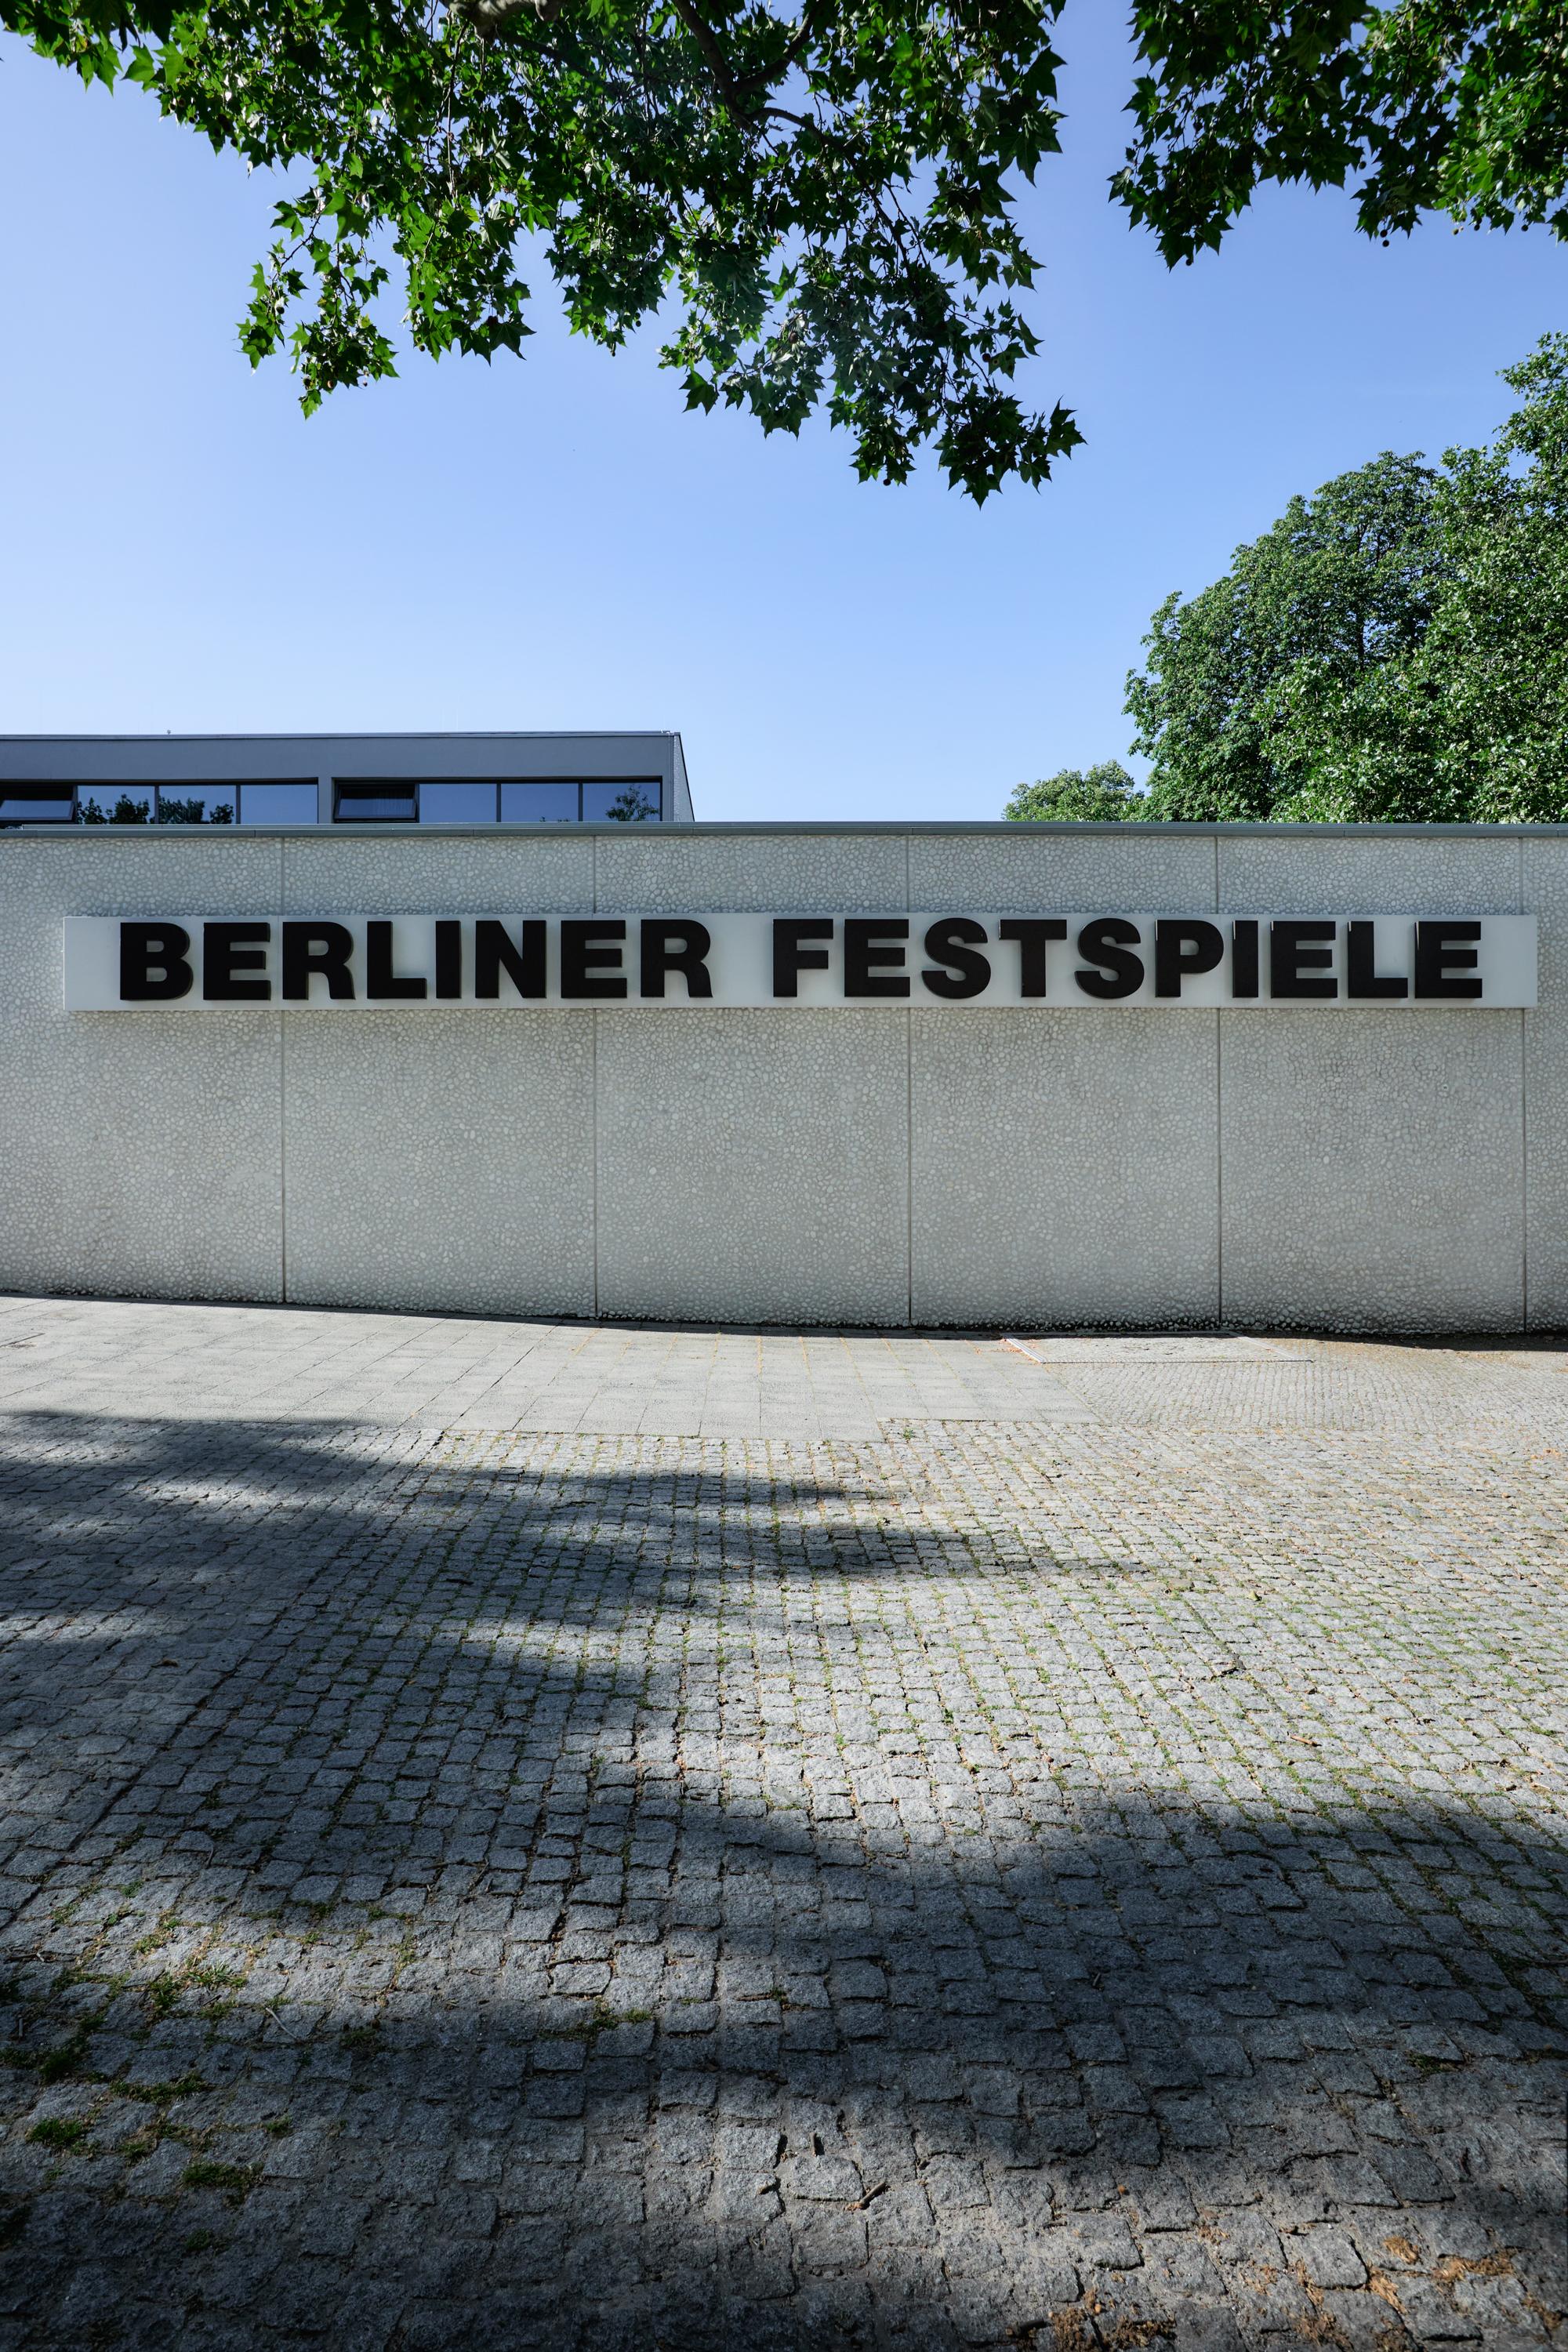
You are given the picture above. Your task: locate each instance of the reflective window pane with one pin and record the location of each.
(449, 803)
(198, 803)
(630, 800)
(359, 802)
(551, 803)
(37, 804)
(277, 805)
(114, 805)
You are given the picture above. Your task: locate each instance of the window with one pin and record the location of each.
(36, 803)
(198, 803)
(114, 803)
(452, 803)
(363, 802)
(555, 802)
(622, 800)
(278, 803)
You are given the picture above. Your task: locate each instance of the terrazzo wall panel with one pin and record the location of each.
(440, 1160)
(1365, 1169)
(1038, 870)
(754, 1166)
(442, 1163)
(1042, 1196)
(1372, 1163)
(736, 873)
(1545, 888)
(128, 1163)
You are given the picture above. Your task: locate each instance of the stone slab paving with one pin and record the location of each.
(423, 1370)
(1092, 1879)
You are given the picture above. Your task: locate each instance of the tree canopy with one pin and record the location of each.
(1446, 106)
(1394, 649)
(817, 196)
(1077, 795)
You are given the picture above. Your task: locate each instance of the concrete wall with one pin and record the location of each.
(1363, 1170)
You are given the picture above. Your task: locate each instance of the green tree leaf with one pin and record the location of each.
(1394, 650)
(1102, 795)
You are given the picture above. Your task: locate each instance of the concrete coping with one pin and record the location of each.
(1001, 828)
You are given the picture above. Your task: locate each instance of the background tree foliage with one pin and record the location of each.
(823, 194)
(1394, 649)
(1077, 795)
(1451, 106)
(816, 197)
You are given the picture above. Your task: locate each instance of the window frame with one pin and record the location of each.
(40, 793)
(368, 787)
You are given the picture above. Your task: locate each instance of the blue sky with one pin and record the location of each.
(555, 542)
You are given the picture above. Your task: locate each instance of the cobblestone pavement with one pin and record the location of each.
(1085, 1878)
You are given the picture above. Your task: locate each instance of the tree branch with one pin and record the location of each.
(702, 33)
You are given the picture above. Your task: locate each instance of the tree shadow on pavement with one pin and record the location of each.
(543, 1893)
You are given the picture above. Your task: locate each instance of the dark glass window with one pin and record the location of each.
(114, 803)
(622, 800)
(277, 805)
(36, 803)
(553, 803)
(363, 802)
(198, 803)
(452, 803)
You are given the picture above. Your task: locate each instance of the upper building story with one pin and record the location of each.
(292, 781)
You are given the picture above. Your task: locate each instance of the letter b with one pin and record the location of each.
(154, 963)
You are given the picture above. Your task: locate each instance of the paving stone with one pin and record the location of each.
(586, 1889)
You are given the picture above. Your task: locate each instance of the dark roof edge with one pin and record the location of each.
(360, 735)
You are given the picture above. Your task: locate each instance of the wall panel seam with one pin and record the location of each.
(1218, 1129)
(1523, 1126)
(1219, 1165)
(909, 1163)
(594, 1115)
(282, 1107)
(908, 1128)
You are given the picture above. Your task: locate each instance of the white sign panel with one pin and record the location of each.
(345, 963)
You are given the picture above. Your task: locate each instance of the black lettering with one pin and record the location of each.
(1105, 942)
(870, 947)
(1294, 957)
(228, 949)
(589, 949)
(1244, 959)
(382, 984)
(1362, 978)
(154, 966)
(1183, 944)
(522, 960)
(792, 956)
(952, 941)
(1033, 933)
(675, 946)
(1441, 953)
(323, 947)
(448, 960)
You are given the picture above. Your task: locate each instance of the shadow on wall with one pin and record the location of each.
(533, 1901)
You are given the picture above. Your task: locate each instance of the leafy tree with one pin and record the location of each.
(816, 195)
(172, 810)
(823, 194)
(96, 807)
(1394, 650)
(1451, 106)
(632, 806)
(1077, 795)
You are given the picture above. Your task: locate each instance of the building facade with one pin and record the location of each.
(266, 781)
(976, 1075)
